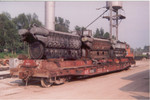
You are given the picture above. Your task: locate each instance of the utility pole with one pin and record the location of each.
(117, 25)
(110, 9)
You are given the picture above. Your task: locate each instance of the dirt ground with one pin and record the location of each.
(130, 84)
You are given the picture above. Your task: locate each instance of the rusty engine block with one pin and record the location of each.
(45, 44)
(51, 44)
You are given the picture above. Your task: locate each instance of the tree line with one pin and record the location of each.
(99, 33)
(10, 39)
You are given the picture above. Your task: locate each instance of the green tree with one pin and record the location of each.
(61, 24)
(8, 33)
(9, 37)
(101, 33)
(97, 34)
(146, 49)
(78, 28)
(24, 21)
(138, 51)
(106, 35)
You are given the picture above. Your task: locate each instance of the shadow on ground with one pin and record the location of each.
(140, 83)
(21, 83)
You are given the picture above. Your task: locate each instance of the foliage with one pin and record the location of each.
(10, 55)
(106, 35)
(78, 28)
(98, 34)
(10, 44)
(8, 33)
(24, 21)
(146, 49)
(7, 55)
(61, 24)
(138, 52)
(101, 34)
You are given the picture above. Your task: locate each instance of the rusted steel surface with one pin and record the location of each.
(45, 68)
(29, 63)
(47, 44)
(56, 56)
(100, 44)
(4, 62)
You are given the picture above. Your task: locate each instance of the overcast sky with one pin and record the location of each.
(133, 30)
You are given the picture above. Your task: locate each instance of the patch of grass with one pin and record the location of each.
(7, 55)
(10, 55)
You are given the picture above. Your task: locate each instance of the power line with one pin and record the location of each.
(96, 18)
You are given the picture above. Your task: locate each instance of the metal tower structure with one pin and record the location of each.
(114, 7)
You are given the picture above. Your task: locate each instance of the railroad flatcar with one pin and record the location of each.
(56, 57)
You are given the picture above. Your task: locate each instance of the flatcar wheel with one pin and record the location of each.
(24, 81)
(127, 68)
(45, 83)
